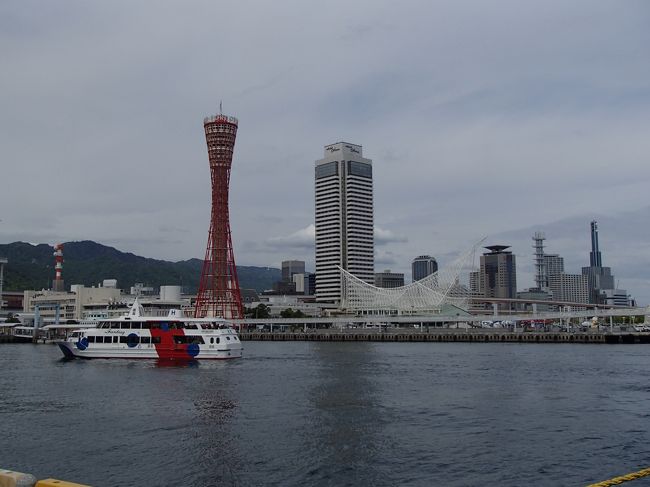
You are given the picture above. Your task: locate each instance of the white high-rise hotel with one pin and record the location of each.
(344, 219)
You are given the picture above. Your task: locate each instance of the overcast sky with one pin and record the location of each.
(482, 118)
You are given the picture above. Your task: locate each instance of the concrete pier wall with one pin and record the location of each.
(448, 336)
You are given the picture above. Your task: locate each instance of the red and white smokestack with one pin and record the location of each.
(58, 257)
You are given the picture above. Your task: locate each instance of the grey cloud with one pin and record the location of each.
(480, 117)
(384, 236)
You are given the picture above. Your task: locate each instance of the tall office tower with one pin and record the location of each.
(423, 266)
(498, 273)
(291, 267)
(219, 294)
(344, 219)
(600, 278)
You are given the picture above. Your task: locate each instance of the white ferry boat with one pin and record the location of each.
(169, 338)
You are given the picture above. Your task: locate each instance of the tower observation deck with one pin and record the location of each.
(219, 293)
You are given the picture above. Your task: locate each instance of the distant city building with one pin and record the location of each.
(475, 283)
(569, 287)
(599, 278)
(388, 279)
(498, 274)
(535, 294)
(554, 265)
(291, 267)
(305, 283)
(310, 284)
(13, 302)
(617, 297)
(344, 219)
(423, 266)
(71, 305)
(284, 287)
(98, 302)
(249, 296)
(299, 283)
(139, 289)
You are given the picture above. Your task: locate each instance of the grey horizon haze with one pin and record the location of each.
(481, 118)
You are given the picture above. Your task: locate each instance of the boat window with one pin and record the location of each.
(145, 339)
(227, 338)
(115, 325)
(91, 339)
(218, 339)
(123, 339)
(211, 340)
(180, 339)
(155, 326)
(146, 325)
(155, 340)
(191, 326)
(136, 325)
(196, 339)
(125, 326)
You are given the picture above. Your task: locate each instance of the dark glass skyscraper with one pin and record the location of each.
(498, 273)
(423, 266)
(599, 278)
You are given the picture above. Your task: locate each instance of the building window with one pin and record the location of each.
(326, 170)
(359, 169)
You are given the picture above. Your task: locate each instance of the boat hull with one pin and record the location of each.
(71, 350)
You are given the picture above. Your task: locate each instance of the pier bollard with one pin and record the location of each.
(9, 478)
(58, 483)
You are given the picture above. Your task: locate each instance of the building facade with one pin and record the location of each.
(305, 283)
(423, 266)
(569, 287)
(554, 265)
(291, 267)
(388, 279)
(498, 274)
(599, 278)
(344, 219)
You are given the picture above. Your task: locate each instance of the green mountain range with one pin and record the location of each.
(89, 263)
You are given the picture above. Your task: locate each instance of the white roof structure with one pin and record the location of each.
(425, 296)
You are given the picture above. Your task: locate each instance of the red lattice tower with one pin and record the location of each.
(219, 293)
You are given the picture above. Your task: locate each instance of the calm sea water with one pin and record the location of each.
(321, 414)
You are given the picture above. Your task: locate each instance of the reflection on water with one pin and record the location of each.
(325, 414)
(177, 363)
(347, 425)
